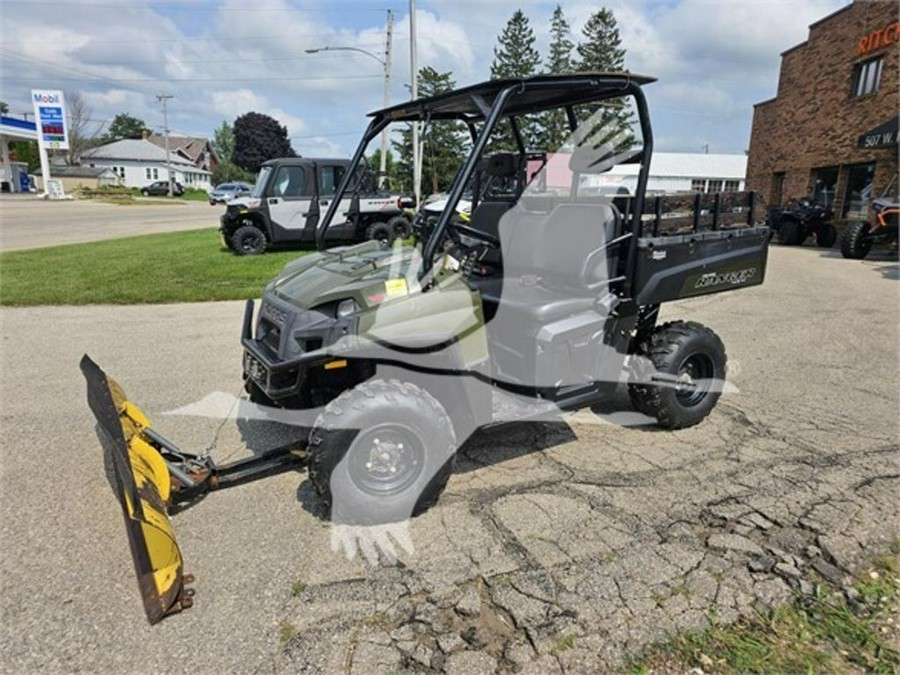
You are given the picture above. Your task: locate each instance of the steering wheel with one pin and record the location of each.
(485, 238)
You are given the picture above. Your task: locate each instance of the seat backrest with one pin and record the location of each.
(486, 218)
(566, 248)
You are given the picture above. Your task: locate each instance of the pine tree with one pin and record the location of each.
(555, 125)
(602, 51)
(515, 56)
(443, 142)
(602, 47)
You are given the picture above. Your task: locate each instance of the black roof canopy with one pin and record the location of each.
(541, 92)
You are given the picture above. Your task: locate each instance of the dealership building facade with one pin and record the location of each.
(831, 131)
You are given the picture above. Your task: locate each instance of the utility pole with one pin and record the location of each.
(382, 181)
(414, 90)
(162, 98)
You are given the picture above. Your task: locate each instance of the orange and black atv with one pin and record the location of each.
(859, 236)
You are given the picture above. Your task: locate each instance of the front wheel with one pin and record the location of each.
(686, 363)
(381, 452)
(248, 240)
(146, 193)
(826, 235)
(790, 233)
(855, 244)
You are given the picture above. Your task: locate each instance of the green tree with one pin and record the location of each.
(555, 126)
(514, 57)
(225, 169)
(258, 138)
(4, 107)
(123, 126)
(601, 51)
(443, 142)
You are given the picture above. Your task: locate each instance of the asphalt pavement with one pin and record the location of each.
(27, 222)
(556, 546)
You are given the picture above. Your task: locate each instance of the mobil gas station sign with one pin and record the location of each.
(50, 114)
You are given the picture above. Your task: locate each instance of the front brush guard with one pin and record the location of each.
(151, 475)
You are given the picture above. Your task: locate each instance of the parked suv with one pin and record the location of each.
(161, 187)
(225, 192)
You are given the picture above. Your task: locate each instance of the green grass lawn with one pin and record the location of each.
(173, 267)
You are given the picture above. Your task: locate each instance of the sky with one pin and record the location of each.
(221, 58)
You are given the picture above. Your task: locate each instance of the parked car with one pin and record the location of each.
(225, 192)
(161, 187)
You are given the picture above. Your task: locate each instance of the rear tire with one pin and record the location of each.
(689, 360)
(855, 243)
(790, 233)
(248, 240)
(826, 235)
(379, 231)
(381, 452)
(400, 227)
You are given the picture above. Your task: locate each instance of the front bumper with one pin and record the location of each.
(277, 376)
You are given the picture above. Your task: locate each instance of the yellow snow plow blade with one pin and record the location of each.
(142, 483)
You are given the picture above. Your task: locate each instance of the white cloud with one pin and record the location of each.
(231, 104)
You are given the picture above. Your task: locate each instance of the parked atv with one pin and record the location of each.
(860, 236)
(542, 302)
(792, 226)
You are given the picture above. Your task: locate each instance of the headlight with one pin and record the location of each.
(346, 308)
(253, 204)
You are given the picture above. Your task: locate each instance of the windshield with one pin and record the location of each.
(261, 181)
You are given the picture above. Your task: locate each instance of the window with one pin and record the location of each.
(714, 186)
(698, 185)
(289, 182)
(867, 77)
(732, 185)
(148, 173)
(824, 183)
(330, 177)
(859, 190)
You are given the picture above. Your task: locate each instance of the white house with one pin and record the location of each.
(679, 172)
(138, 162)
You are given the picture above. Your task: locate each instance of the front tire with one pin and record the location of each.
(826, 235)
(248, 240)
(855, 244)
(381, 452)
(146, 193)
(688, 360)
(790, 233)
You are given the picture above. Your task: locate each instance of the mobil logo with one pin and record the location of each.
(45, 97)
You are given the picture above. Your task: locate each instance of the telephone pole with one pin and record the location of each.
(382, 180)
(162, 98)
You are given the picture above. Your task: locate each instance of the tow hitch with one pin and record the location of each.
(152, 476)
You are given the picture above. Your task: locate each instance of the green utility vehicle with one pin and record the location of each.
(544, 299)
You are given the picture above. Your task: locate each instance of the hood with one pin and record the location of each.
(366, 272)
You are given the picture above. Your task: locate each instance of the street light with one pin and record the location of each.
(386, 64)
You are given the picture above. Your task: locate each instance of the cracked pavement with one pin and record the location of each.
(557, 547)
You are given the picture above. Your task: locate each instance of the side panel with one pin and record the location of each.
(683, 266)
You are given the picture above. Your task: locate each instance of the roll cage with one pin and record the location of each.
(482, 106)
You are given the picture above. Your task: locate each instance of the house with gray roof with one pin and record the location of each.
(139, 162)
(195, 149)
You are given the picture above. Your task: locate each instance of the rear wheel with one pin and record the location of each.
(826, 235)
(855, 244)
(381, 452)
(248, 240)
(379, 231)
(790, 233)
(400, 227)
(687, 360)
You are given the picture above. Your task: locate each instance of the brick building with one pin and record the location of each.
(831, 131)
